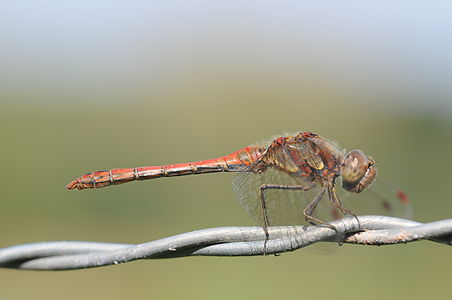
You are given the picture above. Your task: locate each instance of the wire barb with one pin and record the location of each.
(223, 241)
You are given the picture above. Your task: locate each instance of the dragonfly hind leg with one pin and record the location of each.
(265, 187)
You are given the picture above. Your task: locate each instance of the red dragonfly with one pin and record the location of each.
(276, 180)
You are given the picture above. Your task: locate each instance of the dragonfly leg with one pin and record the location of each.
(334, 200)
(265, 187)
(310, 209)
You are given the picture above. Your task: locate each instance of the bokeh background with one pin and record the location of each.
(88, 85)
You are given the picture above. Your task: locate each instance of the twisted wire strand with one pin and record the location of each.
(223, 241)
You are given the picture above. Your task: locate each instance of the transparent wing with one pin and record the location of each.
(284, 207)
(381, 198)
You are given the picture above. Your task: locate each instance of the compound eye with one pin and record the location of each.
(358, 171)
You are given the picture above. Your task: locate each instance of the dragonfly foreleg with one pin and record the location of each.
(310, 209)
(336, 202)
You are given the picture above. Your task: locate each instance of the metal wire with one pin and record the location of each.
(223, 241)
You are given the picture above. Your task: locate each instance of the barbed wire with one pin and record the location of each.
(224, 241)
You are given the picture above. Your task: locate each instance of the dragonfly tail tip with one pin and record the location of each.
(73, 185)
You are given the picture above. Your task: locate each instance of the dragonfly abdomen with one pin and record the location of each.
(235, 162)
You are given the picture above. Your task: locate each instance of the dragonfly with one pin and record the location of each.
(284, 181)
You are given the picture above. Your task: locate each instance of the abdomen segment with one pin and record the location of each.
(235, 162)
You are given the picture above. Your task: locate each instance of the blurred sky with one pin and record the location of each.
(111, 50)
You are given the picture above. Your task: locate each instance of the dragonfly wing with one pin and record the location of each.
(381, 198)
(284, 207)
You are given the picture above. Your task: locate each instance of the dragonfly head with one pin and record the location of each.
(358, 171)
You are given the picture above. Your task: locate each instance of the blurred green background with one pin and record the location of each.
(106, 84)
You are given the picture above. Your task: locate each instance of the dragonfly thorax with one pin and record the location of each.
(358, 171)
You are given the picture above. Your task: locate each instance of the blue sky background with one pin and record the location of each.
(108, 50)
